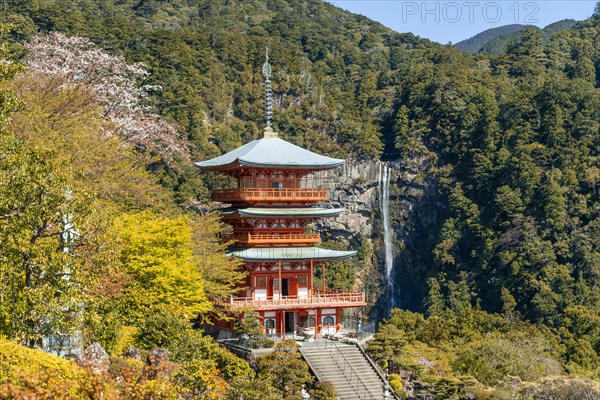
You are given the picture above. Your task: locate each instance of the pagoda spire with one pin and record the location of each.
(266, 71)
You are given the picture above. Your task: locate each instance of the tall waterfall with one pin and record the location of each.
(384, 203)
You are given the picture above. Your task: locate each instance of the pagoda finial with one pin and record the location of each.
(266, 70)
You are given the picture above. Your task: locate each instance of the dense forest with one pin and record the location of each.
(496, 40)
(101, 121)
(475, 44)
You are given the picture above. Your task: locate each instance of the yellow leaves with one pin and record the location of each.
(125, 338)
(28, 373)
(158, 253)
(15, 359)
(202, 379)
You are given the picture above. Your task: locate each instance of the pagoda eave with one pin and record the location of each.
(270, 152)
(282, 212)
(290, 254)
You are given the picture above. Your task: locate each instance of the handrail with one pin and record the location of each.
(318, 299)
(272, 190)
(319, 291)
(282, 236)
(270, 237)
(271, 193)
(365, 389)
(377, 369)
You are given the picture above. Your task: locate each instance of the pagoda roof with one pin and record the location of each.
(275, 212)
(290, 253)
(271, 152)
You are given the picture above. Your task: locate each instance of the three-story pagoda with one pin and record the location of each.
(277, 188)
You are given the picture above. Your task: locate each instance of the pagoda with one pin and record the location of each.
(276, 188)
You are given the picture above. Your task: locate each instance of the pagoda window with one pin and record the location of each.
(303, 280)
(269, 323)
(328, 321)
(307, 322)
(261, 282)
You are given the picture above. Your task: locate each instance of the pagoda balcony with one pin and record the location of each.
(270, 195)
(328, 299)
(262, 239)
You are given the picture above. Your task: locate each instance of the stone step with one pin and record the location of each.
(331, 364)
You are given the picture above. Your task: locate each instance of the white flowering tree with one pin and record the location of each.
(117, 85)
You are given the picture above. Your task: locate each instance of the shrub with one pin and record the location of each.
(323, 391)
(396, 386)
(495, 357)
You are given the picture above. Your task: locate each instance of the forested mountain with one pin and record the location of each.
(474, 44)
(206, 57)
(494, 41)
(510, 144)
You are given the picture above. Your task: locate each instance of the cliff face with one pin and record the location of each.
(356, 190)
(415, 213)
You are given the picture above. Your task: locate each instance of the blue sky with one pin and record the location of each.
(453, 21)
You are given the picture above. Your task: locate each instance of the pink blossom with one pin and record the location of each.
(117, 86)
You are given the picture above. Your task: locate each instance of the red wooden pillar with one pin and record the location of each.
(310, 282)
(323, 276)
(282, 324)
(317, 323)
(280, 283)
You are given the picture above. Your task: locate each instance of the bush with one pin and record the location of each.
(260, 342)
(29, 373)
(186, 345)
(251, 389)
(323, 391)
(496, 357)
(396, 386)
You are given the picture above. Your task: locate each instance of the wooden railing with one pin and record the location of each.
(288, 238)
(270, 194)
(316, 300)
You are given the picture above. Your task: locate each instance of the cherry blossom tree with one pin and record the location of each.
(118, 87)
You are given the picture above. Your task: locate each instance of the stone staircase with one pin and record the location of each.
(346, 367)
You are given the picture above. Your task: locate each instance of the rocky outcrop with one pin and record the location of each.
(95, 358)
(133, 352)
(415, 211)
(157, 357)
(356, 191)
(158, 365)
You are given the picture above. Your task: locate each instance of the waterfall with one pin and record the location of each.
(384, 202)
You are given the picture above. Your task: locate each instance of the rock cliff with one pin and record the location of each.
(415, 213)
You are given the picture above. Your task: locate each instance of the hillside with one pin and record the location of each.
(496, 256)
(494, 41)
(206, 57)
(474, 44)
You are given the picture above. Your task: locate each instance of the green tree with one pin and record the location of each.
(323, 391)
(42, 284)
(252, 389)
(285, 368)
(436, 305)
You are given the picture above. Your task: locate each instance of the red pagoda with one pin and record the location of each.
(277, 188)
